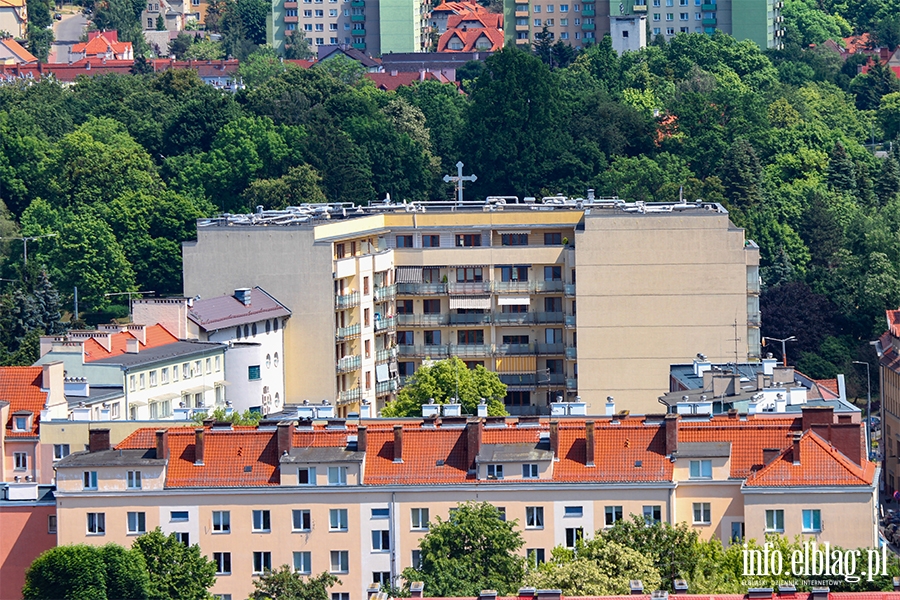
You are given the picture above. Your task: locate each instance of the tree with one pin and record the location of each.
(285, 584)
(176, 570)
(83, 572)
(235, 418)
(179, 46)
(473, 550)
(841, 171)
(445, 380)
(343, 68)
(298, 186)
(298, 48)
(160, 23)
(204, 49)
(260, 66)
(741, 175)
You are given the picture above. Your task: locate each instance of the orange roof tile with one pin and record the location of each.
(460, 7)
(155, 335)
(831, 385)
(231, 458)
(617, 450)
(21, 387)
(16, 48)
(820, 464)
(429, 457)
(475, 20)
(469, 38)
(748, 438)
(893, 319)
(100, 44)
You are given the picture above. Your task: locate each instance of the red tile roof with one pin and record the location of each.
(391, 81)
(101, 43)
(23, 55)
(231, 458)
(470, 37)
(820, 464)
(485, 19)
(617, 450)
(828, 388)
(795, 596)
(460, 7)
(21, 387)
(748, 438)
(893, 319)
(156, 335)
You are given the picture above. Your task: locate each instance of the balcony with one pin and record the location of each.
(571, 384)
(519, 380)
(384, 388)
(588, 26)
(424, 351)
(589, 12)
(708, 7)
(346, 301)
(572, 352)
(521, 27)
(359, 45)
(350, 396)
(640, 8)
(293, 19)
(569, 289)
(513, 349)
(470, 319)
(570, 321)
(512, 286)
(522, 41)
(476, 287)
(522, 13)
(357, 32)
(386, 323)
(548, 286)
(434, 320)
(386, 355)
(347, 333)
(551, 348)
(709, 22)
(551, 379)
(358, 3)
(358, 18)
(469, 350)
(349, 363)
(386, 292)
(512, 318)
(421, 289)
(290, 5)
(541, 318)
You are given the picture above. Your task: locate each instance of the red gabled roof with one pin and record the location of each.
(486, 19)
(748, 438)
(156, 335)
(21, 387)
(242, 457)
(18, 51)
(101, 43)
(460, 7)
(617, 450)
(828, 388)
(893, 319)
(821, 464)
(469, 38)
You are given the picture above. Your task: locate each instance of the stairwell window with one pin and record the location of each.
(774, 521)
(702, 513)
(573, 535)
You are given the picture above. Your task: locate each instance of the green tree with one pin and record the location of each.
(204, 49)
(343, 68)
(444, 380)
(248, 417)
(300, 185)
(473, 550)
(285, 584)
(126, 573)
(260, 66)
(870, 87)
(176, 570)
(83, 572)
(160, 23)
(841, 170)
(180, 45)
(741, 175)
(889, 115)
(672, 548)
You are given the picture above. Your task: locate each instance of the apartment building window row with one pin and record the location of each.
(534, 517)
(337, 519)
(222, 561)
(612, 514)
(419, 518)
(303, 563)
(137, 523)
(340, 561)
(262, 562)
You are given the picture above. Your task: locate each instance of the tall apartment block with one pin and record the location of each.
(561, 297)
(888, 350)
(372, 26)
(579, 24)
(757, 20)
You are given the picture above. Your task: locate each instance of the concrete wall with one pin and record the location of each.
(25, 536)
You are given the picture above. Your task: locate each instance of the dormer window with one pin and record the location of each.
(337, 475)
(495, 471)
(306, 476)
(701, 469)
(20, 423)
(530, 471)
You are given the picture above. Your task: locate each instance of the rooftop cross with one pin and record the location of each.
(459, 179)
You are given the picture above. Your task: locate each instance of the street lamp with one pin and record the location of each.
(27, 239)
(868, 407)
(783, 351)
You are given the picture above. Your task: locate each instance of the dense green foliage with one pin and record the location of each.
(85, 572)
(175, 570)
(286, 584)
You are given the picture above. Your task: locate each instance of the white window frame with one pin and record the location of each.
(381, 540)
(20, 461)
(305, 562)
(136, 524)
(701, 469)
(705, 513)
(342, 564)
(301, 513)
(262, 521)
(133, 480)
(534, 517)
(337, 475)
(262, 562)
(96, 523)
(221, 521)
(89, 480)
(774, 520)
(338, 519)
(220, 559)
(530, 471)
(814, 515)
(573, 511)
(419, 518)
(495, 471)
(611, 514)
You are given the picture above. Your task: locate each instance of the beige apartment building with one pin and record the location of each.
(355, 498)
(888, 350)
(561, 297)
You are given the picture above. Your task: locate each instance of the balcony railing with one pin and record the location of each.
(386, 355)
(552, 379)
(430, 320)
(385, 323)
(347, 333)
(347, 300)
(569, 289)
(513, 349)
(349, 363)
(421, 289)
(358, 3)
(358, 32)
(519, 379)
(430, 351)
(513, 286)
(589, 12)
(550, 348)
(388, 291)
(709, 22)
(570, 321)
(469, 350)
(358, 18)
(571, 352)
(476, 287)
(350, 396)
(541, 318)
(588, 26)
(359, 45)
(384, 388)
(470, 319)
(571, 384)
(511, 318)
(708, 7)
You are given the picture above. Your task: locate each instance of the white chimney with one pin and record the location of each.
(132, 345)
(610, 406)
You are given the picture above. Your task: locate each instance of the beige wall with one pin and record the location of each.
(111, 479)
(724, 498)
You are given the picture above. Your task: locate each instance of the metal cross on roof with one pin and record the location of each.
(459, 179)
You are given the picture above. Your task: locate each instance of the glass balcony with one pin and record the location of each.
(346, 301)
(350, 396)
(347, 333)
(551, 348)
(514, 349)
(424, 351)
(386, 355)
(423, 320)
(571, 384)
(421, 289)
(476, 287)
(570, 321)
(541, 318)
(512, 286)
(512, 318)
(470, 319)
(388, 291)
(552, 286)
(469, 350)
(385, 323)
(569, 289)
(588, 26)
(552, 379)
(572, 352)
(519, 379)
(384, 388)
(349, 363)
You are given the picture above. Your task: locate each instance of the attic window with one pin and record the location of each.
(439, 462)
(248, 469)
(20, 423)
(638, 464)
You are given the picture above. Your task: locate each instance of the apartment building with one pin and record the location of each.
(354, 498)
(888, 349)
(393, 285)
(576, 23)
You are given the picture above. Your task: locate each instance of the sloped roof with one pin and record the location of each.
(222, 312)
(21, 387)
(617, 451)
(156, 335)
(12, 3)
(821, 464)
(484, 19)
(391, 81)
(102, 43)
(469, 38)
(231, 458)
(748, 438)
(828, 388)
(459, 7)
(893, 319)
(16, 49)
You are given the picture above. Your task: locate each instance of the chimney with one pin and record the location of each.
(132, 345)
(819, 593)
(549, 594)
(416, 589)
(797, 437)
(637, 587)
(161, 442)
(242, 295)
(98, 440)
(681, 586)
(421, 74)
(896, 583)
(671, 426)
(285, 437)
(589, 443)
(473, 442)
(813, 415)
(554, 439)
(199, 434)
(398, 443)
(487, 595)
(770, 454)
(362, 438)
(526, 592)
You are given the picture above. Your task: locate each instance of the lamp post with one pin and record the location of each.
(783, 350)
(868, 407)
(27, 239)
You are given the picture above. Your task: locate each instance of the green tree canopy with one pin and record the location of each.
(672, 548)
(83, 572)
(286, 584)
(176, 570)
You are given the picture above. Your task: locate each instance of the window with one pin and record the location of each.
(656, 31)
(302, 520)
(340, 561)
(549, 8)
(141, 381)
(469, 275)
(416, 559)
(470, 337)
(431, 241)
(262, 562)
(701, 469)
(178, 515)
(553, 273)
(535, 556)
(537, 8)
(340, 595)
(131, 383)
(381, 540)
(261, 520)
(702, 513)
(96, 523)
(153, 378)
(495, 471)
(529, 471)
(134, 480)
(574, 511)
(431, 307)
(670, 31)
(90, 480)
(20, 459)
(563, 8)
(381, 513)
(306, 476)
(775, 520)
(812, 520)
(303, 563)
(656, 16)
(365, 286)
(164, 375)
(219, 366)
(337, 519)
(404, 241)
(468, 240)
(514, 239)
(404, 307)
(253, 373)
(221, 521)
(51, 523)
(573, 535)
(367, 317)
(223, 562)
(670, 16)
(419, 518)
(337, 475)
(613, 514)
(652, 514)
(534, 517)
(433, 338)
(683, 16)
(137, 523)
(515, 273)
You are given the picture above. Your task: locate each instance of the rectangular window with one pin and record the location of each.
(365, 286)
(337, 475)
(553, 238)
(153, 378)
(337, 519)
(775, 521)
(534, 517)
(702, 513)
(514, 239)
(405, 338)
(431, 307)
(253, 373)
(515, 273)
(221, 521)
(431, 241)
(183, 537)
(164, 375)
(573, 535)
(404, 307)
(306, 476)
(416, 559)
(20, 460)
(137, 523)
(812, 520)
(134, 480)
(404, 241)
(433, 337)
(468, 240)
(223, 562)
(303, 563)
(470, 275)
(683, 16)
(367, 317)
(553, 273)
(132, 385)
(467, 337)
(340, 595)
(381, 540)
(701, 469)
(652, 514)
(262, 562)
(419, 518)
(529, 471)
(670, 16)
(381, 513)
(302, 520)
(142, 381)
(261, 521)
(535, 557)
(51, 523)
(574, 511)
(96, 523)
(340, 561)
(613, 514)
(178, 516)
(381, 578)
(90, 480)
(495, 471)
